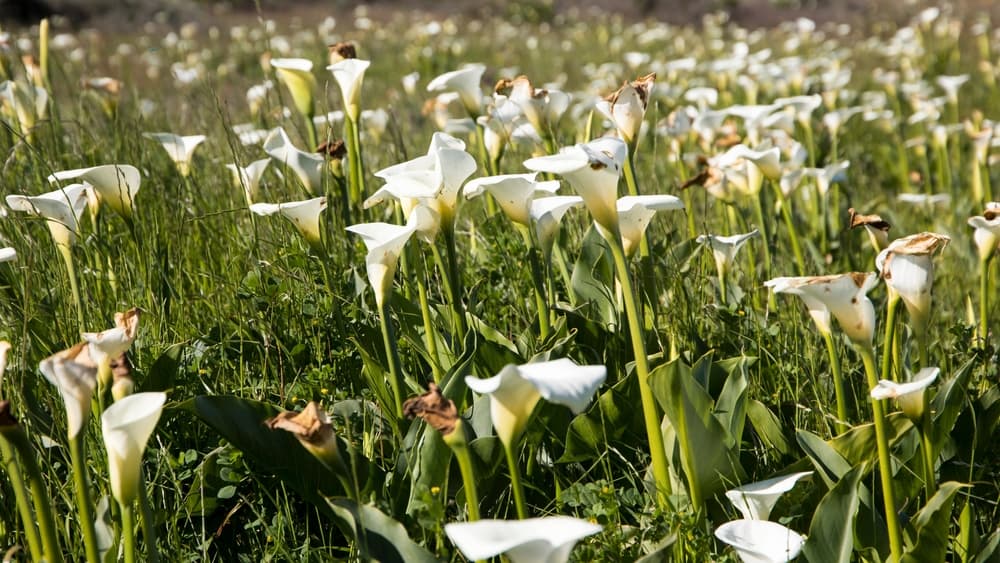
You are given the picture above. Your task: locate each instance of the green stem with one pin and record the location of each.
(838, 383)
(723, 296)
(456, 280)
(353, 164)
(83, 503)
(148, 525)
(651, 416)
(429, 332)
(890, 328)
(359, 162)
(311, 133)
(758, 209)
(922, 349)
(538, 281)
(468, 479)
(930, 484)
(984, 297)
(128, 533)
(39, 494)
(21, 496)
(67, 255)
(786, 213)
(515, 482)
(395, 375)
(884, 460)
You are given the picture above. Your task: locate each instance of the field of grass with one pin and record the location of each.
(696, 370)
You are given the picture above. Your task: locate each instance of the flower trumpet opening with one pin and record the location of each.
(127, 426)
(549, 539)
(313, 430)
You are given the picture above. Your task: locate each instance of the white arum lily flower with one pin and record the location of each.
(8, 254)
(834, 120)
(515, 391)
(845, 296)
(249, 178)
(761, 541)
(704, 97)
(72, 372)
(593, 170)
(61, 209)
(25, 104)
(534, 540)
(802, 107)
(465, 83)
(385, 243)
(755, 165)
(951, 84)
(908, 269)
(924, 199)
(308, 167)
(350, 74)
(825, 177)
(127, 426)
(755, 500)
(636, 211)
(547, 212)
(910, 396)
(108, 345)
(542, 108)
(297, 76)
(626, 107)
(114, 184)
(724, 248)
(986, 235)
(179, 148)
(303, 214)
(513, 192)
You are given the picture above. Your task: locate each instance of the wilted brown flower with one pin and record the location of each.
(313, 430)
(334, 149)
(342, 50)
(436, 410)
(875, 225)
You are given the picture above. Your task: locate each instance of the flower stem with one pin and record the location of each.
(468, 479)
(67, 255)
(353, 164)
(786, 213)
(884, 460)
(515, 482)
(358, 163)
(128, 533)
(838, 383)
(311, 133)
(538, 281)
(39, 494)
(392, 355)
(83, 506)
(890, 328)
(758, 209)
(930, 485)
(984, 297)
(21, 496)
(651, 416)
(429, 334)
(148, 524)
(455, 284)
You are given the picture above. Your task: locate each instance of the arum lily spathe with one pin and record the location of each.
(842, 295)
(350, 74)
(514, 193)
(986, 235)
(297, 76)
(114, 184)
(626, 107)
(724, 248)
(910, 396)
(303, 214)
(760, 541)
(313, 429)
(534, 540)
(61, 210)
(107, 346)
(23, 104)
(179, 148)
(127, 426)
(636, 211)
(8, 254)
(876, 227)
(74, 374)
(516, 390)
(385, 243)
(249, 178)
(542, 108)
(547, 212)
(465, 83)
(308, 167)
(908, 269)
(593, 170)
(924, 199)
(755, 500)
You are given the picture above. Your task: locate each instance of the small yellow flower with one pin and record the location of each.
(435, 490)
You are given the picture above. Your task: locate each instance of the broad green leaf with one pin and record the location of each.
(374, 373)
(948, 403)
(858, 445)
(378, 537)
(931, 526)
(592, 285)
(688, 407)
(831, 532)
(162, 373)
(608, 419)
(768, 427)
(830, 465)
(731, 407)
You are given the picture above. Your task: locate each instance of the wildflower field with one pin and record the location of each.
(533, 288)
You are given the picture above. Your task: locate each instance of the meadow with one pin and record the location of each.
(544, 287)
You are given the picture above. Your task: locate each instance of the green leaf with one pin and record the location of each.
(689, 406)
(831, 532)
(830, 465)
(731, 407)
(931, 525)
(377, 377)
(768, 427)
(162, 373)
(592, 283)
(378, 537)
(947, 405)
(608, 419)
(858, 445)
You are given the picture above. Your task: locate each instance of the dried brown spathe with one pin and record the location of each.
(311, 426)
(436, 410)
(872, 221)
(342, 50)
